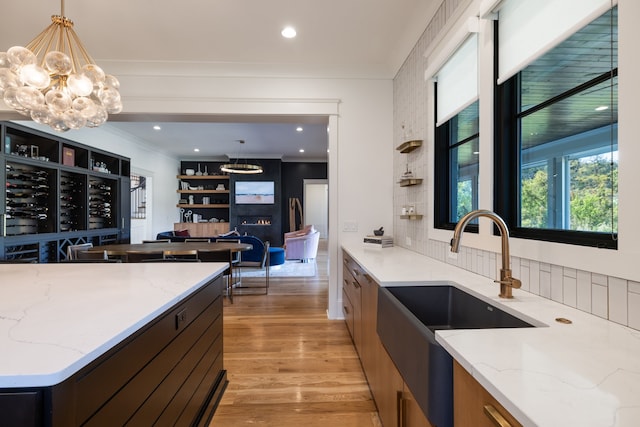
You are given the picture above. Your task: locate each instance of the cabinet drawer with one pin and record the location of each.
(351, 286)
(347, 309)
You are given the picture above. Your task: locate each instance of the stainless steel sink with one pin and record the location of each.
(408, 317)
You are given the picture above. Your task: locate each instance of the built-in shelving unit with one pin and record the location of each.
(204, 195)
(59, 193)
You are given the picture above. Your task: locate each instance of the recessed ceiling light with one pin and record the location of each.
(299, 129)
(197, 150)
(288, 32)
(602, 108)
(157, 127)
(301, 150)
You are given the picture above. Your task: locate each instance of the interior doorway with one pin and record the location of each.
(316, 205)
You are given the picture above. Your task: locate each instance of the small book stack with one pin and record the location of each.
(378, 241)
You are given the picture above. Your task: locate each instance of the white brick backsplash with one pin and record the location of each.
(599, 296)
(584, 291)
(633, 305)
(557, 278)
(618, 296)
(570, 287)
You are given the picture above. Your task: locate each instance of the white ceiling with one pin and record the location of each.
(336, 38)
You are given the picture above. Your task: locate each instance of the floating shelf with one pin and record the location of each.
(407, 182)
(196, 206)
(203, 191)
(411, 216)
(202, 176)
(409, 146)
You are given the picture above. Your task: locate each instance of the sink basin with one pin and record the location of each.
(408, 317)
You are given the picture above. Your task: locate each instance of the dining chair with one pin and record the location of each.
(86, 255)
(157, 241)
(236, 258)
(72, 250)
(180, 254)
(205, 255)
(139, 256)
(258, 265)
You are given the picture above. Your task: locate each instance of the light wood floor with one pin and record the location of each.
(287, 364)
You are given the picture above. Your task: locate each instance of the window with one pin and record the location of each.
(138, 196)
(556, 162)
(456, 136)
(456, 178)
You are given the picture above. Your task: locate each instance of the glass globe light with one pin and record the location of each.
(8, 79)
(85, 106)
(35, 76)
(111, 81)
(29, 97)
(58, 63)
(110, 98)
(57, 123)
(19, 56)
(4, 60)
(41, 115)
(73, 119)
(80, 85)
(58, 100)
(98, 118)
(95, 73)
(11, 98)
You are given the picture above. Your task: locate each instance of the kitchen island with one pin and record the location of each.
(586, 373)
(85, 343)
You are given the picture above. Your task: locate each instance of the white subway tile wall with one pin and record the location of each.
(611, 298)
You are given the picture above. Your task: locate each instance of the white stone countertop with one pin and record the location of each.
(583, 374)
(57, 318)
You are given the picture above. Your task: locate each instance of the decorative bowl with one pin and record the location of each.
(189, 172)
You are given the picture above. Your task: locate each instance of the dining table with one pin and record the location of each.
(170, 248)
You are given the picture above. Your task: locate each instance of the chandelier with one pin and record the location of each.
(54, 80)
(241, 168)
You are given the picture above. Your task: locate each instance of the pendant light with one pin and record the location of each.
(54, 80)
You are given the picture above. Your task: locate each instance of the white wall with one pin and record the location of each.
(600, 281)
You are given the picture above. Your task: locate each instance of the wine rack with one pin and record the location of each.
(101, 203)
(28, 200)
(59, 192)
(72, 202)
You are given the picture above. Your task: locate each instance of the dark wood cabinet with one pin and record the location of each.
(395, 402)
(59, 193)
(170, 372)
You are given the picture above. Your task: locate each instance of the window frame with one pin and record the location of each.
(507, 163)
(443, 189)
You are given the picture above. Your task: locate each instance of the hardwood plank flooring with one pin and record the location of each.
(287, 364)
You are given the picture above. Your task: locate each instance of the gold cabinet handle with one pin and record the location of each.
(368, 277)
(356, 284)
(356, 272)
(345, 261)
(495, 416)
(346, 282)
(400, 408)
(346, 310)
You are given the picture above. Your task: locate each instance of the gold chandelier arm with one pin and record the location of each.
(37, 44)
(85, 55)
